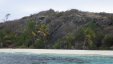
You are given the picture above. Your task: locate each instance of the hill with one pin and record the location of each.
(71, 29)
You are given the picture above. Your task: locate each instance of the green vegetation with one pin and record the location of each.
(66, 42)
(108, 40)
(59, 30)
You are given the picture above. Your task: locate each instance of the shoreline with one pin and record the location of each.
(60, 51)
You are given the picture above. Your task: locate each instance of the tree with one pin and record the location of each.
(42, 35)
(66, 42)
(57, 45)
(6, 17)
(90, 33)
(69, 40)
(22, 40)
(89, 39)
(26, 38)
(7, 38)
(39, 43)
(35, 35)
(1, 38)
(108, 40)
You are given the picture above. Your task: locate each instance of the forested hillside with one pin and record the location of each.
(71, 29)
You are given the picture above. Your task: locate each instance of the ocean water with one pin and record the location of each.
(28, 58)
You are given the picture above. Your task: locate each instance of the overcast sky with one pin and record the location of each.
(21, 8)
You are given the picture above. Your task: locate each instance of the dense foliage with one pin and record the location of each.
(71, 29)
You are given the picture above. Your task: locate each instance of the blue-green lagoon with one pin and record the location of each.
(30, 58)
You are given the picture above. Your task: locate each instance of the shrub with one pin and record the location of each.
(57, 45)
(108, 40)
(39, 43)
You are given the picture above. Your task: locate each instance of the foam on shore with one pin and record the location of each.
(56, 51)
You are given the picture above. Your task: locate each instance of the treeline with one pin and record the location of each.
(91, 36)
(33, 36)
(72, 29)
(37, 35)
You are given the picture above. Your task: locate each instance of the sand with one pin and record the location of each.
(56, 51)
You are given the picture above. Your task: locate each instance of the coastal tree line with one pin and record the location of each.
(38, 36)
(71, 29)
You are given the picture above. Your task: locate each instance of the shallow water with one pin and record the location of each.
(27, 58)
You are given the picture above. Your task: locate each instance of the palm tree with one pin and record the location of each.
(89, 38)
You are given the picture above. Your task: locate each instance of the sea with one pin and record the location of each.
(30, 58)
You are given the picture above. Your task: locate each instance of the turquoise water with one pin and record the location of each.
(23, 58)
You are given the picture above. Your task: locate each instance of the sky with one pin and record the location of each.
(21, 8)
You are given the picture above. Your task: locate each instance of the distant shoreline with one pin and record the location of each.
(58, 51)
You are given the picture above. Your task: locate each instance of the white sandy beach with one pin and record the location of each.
(56, 51)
